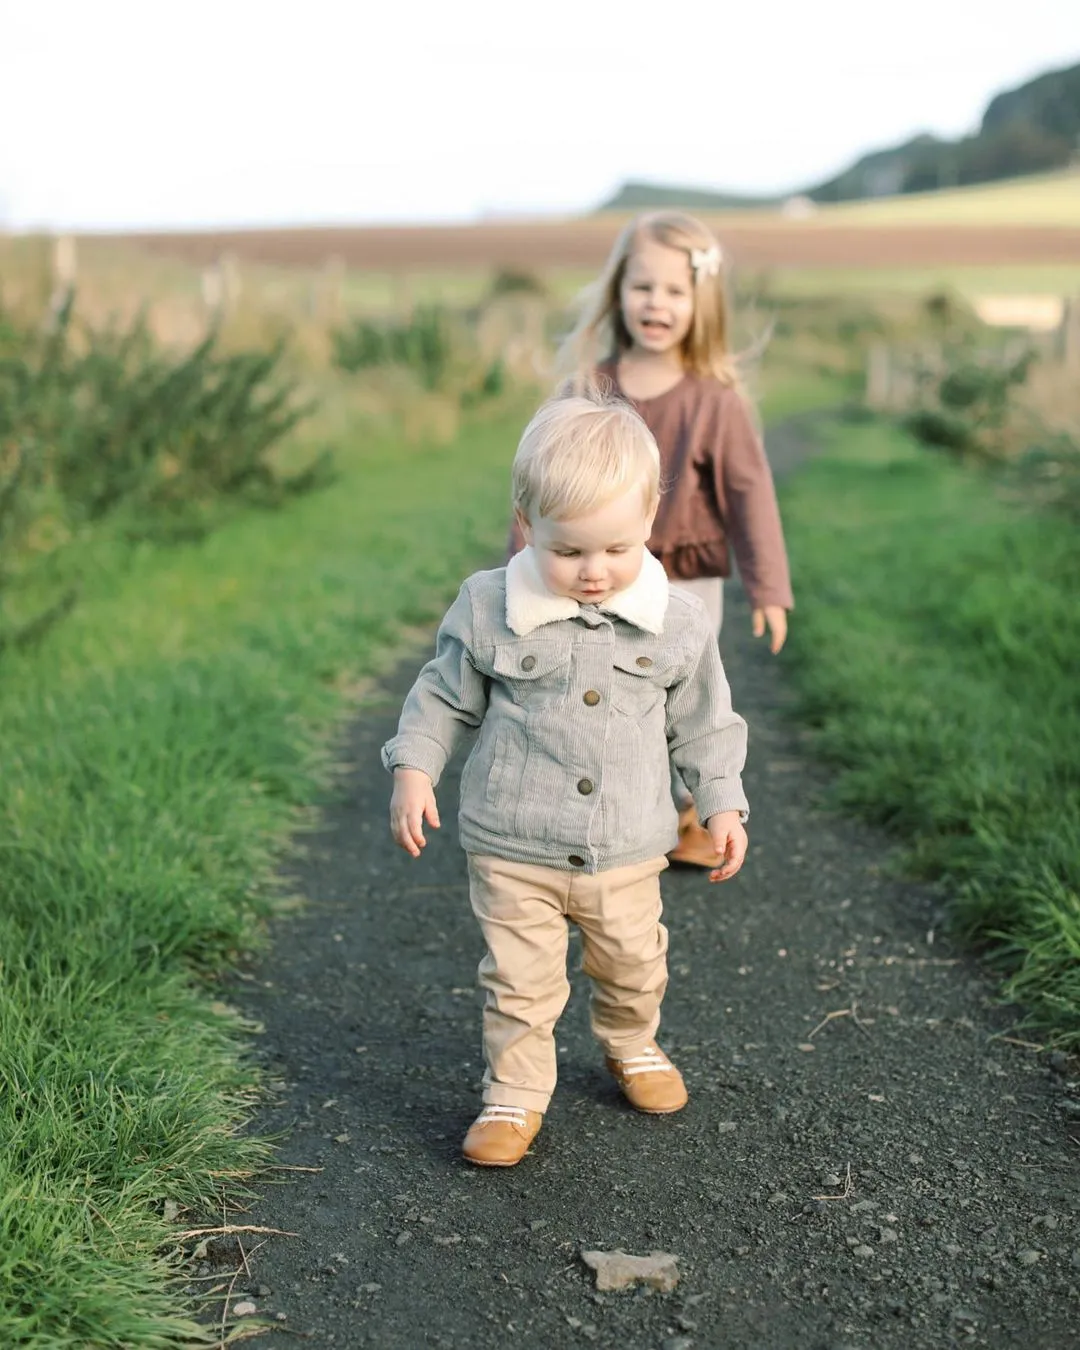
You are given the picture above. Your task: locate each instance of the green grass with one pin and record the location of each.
(936, 646)
(155, 751)
(1036, 199)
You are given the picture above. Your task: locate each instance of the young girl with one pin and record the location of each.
(586, 678)
(656, 327)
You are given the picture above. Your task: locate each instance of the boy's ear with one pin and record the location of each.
(523, 525)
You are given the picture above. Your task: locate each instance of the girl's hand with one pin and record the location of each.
(413, 802)
(776, 617)
(729, 837)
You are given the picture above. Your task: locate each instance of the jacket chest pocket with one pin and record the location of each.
(535, 673)
(640, 682)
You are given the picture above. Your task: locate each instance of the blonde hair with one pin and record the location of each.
(600, 332)
(581, 451)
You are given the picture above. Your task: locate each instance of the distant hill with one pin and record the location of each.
(643, 196)
(1030, 129)
(1027, 130)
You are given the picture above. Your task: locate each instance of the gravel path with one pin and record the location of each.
(864, 1163)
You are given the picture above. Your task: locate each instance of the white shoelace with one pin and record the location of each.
(510, 1115)
(649, 1061)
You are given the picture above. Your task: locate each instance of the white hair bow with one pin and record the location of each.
(705, 261)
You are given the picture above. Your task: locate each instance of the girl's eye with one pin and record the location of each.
(616, 550)
(566, 553)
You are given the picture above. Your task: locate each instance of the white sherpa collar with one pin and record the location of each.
(529, 603)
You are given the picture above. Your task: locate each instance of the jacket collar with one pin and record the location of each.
(529, 603)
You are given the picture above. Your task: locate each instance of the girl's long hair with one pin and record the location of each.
(600, 334)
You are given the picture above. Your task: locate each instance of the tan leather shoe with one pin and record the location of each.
(500, 1135)
(650, 1082)
(695, 847)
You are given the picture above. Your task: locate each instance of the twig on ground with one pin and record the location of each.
(855, 1019)
(829, 1017)
(1015, 1040)
(845, 1194)
(840, 1012)
(916, 960)
(233, 1228)
(225, 1307)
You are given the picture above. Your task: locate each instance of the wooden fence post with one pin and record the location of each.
(878, 376)
(63, 267)
(1070, 334)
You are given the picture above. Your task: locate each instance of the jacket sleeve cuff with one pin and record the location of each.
(722, 794)
(415, 752)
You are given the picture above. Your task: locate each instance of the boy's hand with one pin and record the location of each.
(729, 837)
(413, 802)
(776, 617)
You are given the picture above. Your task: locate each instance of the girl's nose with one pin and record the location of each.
(592, 569)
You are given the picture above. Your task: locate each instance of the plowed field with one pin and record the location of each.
(585, 243)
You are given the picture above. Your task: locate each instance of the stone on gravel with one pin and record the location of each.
(619, 1270)
(1029, 1257)
(244, 1309)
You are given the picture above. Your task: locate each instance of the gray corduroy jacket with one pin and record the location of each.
(580, 711)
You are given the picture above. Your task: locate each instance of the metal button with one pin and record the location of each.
(575, 860)
(585, 786)
(644, 662)
(591, 697)
(528, 662)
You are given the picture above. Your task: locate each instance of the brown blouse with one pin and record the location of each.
(717, 489)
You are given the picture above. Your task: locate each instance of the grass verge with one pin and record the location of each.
(936, 650)
(155, 751)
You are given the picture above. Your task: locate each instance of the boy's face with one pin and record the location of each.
(591, 557)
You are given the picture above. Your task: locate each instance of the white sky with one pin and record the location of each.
(119, 113)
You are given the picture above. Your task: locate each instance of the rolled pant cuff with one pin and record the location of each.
(636, 1047)
(498, 1094)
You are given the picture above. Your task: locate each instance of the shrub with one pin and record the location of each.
(97, 425)
(512, 281)
(968, 405)
(423, 342)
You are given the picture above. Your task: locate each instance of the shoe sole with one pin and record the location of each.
(658, 1110)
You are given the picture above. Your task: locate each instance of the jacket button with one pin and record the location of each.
(575, 860)
(591, 697)
(585, 786)
(644, 662)
(528, 662)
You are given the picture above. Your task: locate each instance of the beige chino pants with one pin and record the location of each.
(525, 913)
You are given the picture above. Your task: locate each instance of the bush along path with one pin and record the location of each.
(866, 1160)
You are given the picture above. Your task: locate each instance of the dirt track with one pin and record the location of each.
(864, 1164)
(585, 243)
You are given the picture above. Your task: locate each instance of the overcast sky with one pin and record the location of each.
(119, 113)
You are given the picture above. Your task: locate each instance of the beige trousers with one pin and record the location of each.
(525, 912)
(710, 591)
